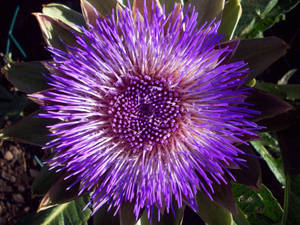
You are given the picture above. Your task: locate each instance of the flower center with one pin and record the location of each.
(146, 109)
(145, 113)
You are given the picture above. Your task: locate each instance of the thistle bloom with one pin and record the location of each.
(149, 111)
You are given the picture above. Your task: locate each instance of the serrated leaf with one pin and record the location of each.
(269, 141)
(253, 10)
(29, 130)
(241, 219)
(260, 53)
(64, 14)
(26, 76)
(68, 213)
(259, 207)
(261, 15)
(230, 18)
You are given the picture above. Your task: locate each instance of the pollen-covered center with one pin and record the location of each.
(145, 112)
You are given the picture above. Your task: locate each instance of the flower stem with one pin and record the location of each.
(286, 198)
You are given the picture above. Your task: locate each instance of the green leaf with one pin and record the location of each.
(249, 175)
(5, 94)
(68, 213)
(207, 10)
(54, 32)
(289, 146)
(210, 212)
(126, 214)
(259, 207)
(44, 180)
(104, 6)
(285, 78)
(267, 104)
(169, 5)
(241, 219)
(274, 164)
(89, 13)
(165, 219)
(253, 11)
(281, 121)
(230, 18)
(29, 130)
(104, 217)
(143, 220)
(64, 14)
(270, 142)
(251, 83)
(60, 192)
(232, 45)
(12, 107)
(292, 200)
(260, 53)
(260, 15)
(224, 197)
(285, 91)
(26, 76)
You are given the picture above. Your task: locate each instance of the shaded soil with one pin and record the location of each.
(18, 170)
(18, 167)
(17, 163)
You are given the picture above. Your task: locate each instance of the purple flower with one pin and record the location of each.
(149, 109)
